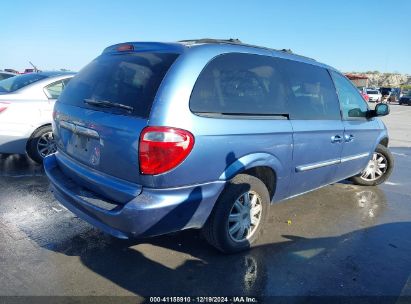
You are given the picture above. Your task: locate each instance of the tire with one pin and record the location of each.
(364, 179)
(41, 140)
(217, 228)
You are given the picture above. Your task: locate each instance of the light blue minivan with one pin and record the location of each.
(158, 137)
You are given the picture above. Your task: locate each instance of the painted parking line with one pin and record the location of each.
(22, 175)
(402, 112)
(399, 154)
(59, 210)
(405, 292)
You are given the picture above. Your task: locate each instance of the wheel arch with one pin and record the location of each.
(384, 141)
(267, 175)
(34, 132)
(382, 138)
(263, 166)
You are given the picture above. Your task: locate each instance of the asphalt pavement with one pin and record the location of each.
(341, 240)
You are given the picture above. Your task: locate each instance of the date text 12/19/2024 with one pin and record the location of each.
(207, 299)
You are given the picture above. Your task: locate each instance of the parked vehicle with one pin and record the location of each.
(12, 71)
(159, 137)
(5, 75)
(27, 71)
(26, 105)
(394, 96)
(405, 99)
(374, 95)
(385, 94)
(404, 92)
(365, 95)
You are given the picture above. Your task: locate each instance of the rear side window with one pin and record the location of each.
(239, 84)
(130, 79)
(54, 90)
(372, 92)
(311, 91)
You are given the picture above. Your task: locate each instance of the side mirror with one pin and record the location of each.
(381, 109)
(356, 112)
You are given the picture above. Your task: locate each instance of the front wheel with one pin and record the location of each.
(378, 169)
(240, 211)
(41, 144)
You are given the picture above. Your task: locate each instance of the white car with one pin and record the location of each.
(26, 106)
(374, 95)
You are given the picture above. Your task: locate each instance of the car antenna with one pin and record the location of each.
(35, 68)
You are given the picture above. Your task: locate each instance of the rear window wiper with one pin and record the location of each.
(108, 104)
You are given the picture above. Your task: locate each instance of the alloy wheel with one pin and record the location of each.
(46, 144)
(376, 167)
(245, 216)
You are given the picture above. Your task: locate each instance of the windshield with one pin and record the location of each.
(15, 83)
(372, 92)
(131, 80)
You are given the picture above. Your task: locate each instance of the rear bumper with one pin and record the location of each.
(152, 212)
(373, 99)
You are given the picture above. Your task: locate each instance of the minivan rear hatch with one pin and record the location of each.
(100, 114)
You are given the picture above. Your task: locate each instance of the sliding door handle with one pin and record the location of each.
(348, 138)
(336, 139)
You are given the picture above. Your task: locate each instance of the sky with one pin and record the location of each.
(361, 35)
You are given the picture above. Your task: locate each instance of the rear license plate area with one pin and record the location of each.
(84, 148)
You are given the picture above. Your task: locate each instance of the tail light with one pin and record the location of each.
(3, 106)
(365, 96)
(163, 148)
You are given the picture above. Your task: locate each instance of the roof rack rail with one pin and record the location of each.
(238, 42)
(211, 40)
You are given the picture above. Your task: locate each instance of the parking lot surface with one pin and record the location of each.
(339, 240)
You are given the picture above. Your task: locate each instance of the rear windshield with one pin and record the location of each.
(15, 83)
(372, 92)
(5, 76)
(130, 79)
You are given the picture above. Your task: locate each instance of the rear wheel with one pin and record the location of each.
(239, 213)
(378, 169)
(41, 144)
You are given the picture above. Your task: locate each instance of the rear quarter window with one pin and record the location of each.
(54, 90)
(130, 79)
